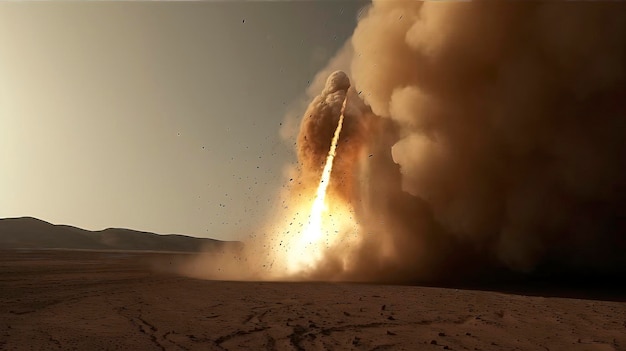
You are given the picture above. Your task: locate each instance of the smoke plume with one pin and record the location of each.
(479, 135)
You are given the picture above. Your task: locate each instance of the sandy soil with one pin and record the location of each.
(115, 301)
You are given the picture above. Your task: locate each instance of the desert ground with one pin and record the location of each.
(88, 300)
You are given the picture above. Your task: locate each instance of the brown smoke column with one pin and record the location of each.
(479, 136)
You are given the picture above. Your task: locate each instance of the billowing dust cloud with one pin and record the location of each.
(478, 137)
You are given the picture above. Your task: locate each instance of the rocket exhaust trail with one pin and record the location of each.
(311, 241)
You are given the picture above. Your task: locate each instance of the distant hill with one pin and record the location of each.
(28, 232)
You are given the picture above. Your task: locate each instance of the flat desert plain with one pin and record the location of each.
(80, 300)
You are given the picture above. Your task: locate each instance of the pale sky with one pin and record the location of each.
(155, 116)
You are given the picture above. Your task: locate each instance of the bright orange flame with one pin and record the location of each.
(309, 248)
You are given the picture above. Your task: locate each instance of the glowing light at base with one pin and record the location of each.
(309, 247)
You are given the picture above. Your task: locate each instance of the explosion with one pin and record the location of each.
(478, 137)
(492, 135)
(310, 245)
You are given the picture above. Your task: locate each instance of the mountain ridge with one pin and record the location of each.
(31, 232)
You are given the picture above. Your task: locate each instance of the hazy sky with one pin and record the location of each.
(162, 117)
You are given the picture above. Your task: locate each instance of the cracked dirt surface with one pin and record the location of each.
(86, 300)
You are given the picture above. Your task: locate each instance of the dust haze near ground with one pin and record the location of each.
(480, 137)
